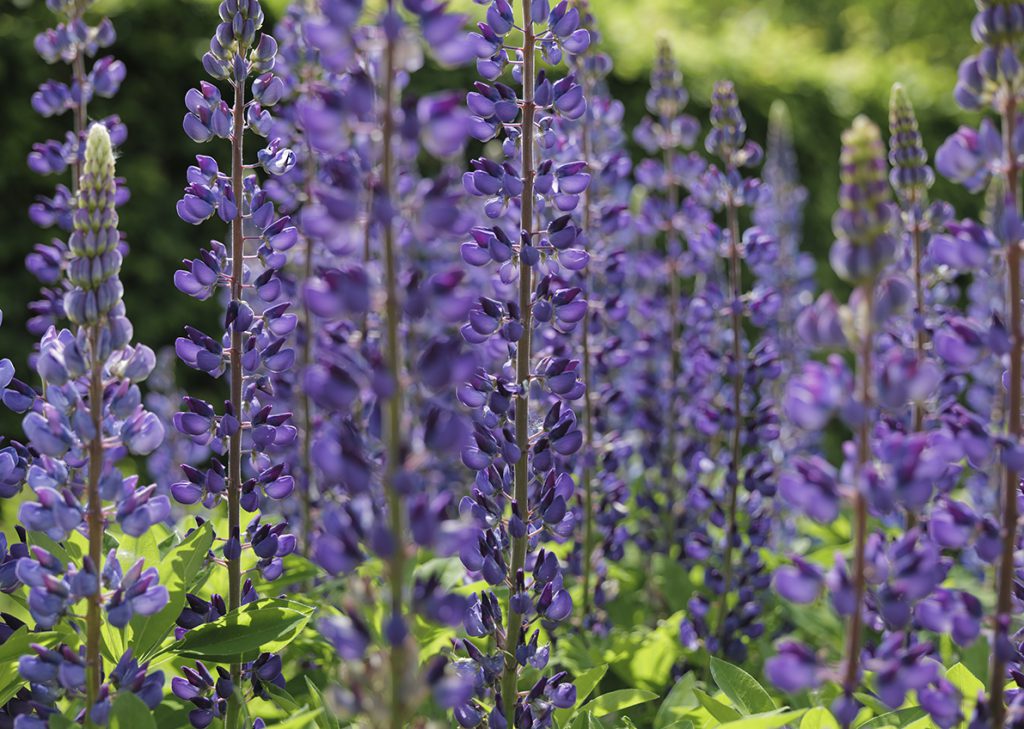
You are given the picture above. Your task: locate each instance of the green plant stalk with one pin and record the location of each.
(521, 470)
(393, 410)
(588, 403)
(735, 291)
(235, 441)
(675, 361)
(94, 520)
(81, 116)
(1004, 599)
(860, 507)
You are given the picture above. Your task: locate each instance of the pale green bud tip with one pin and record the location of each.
(99, 154)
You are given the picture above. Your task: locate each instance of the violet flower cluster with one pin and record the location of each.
(89, 418)
(901, 466)
(72, 42)
(380, 348)
(607, 336)
(254, 342)
(522, 492)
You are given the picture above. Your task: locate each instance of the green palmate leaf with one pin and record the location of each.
(266, 625)
(898, 718)
(966, 682)
(650, 665)
(585, 720)
(172, 713)
(112, 642)
(299, 721)
(872, 703)
(177, 571)
(716, 708)
(296, 570)
(128, 712)
(819, 718)
(283, 699)
(12, 649)
(765, 720)
(59, 721)
(746, 694)
(145, 547)
(585, 683)
(617, 701)
(680, 700)
(326, 719)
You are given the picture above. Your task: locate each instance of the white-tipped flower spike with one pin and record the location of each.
(95, 259)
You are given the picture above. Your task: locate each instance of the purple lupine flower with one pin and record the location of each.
(71, 42)
(254, 340)
(507, 451)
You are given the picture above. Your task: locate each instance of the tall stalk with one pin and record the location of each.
(94, 519)
(393, 410)
(234, 562)
(521, 469)
(854, 626)
(94, 515)
(675, 334)
(735, 291)
(1011, 483)
(588, 403)
(81, 111)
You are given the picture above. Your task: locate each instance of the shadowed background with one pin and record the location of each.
(827, 59)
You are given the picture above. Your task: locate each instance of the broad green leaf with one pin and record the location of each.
(765, 720)
(132, 548)
(819, 718)
(968, 684)
(585, 720)
(283, 699)
(59, 721)
(617, 701)
(871, 703)
(299, 721)
(112, 642)
(681, 724)
(898, 718)
(326, 719)
(177, 571)
(128, 712)
(172, 713)
(264, 626)
(716, 708)
(586, 682)
(746, 694)
(12, 649)
(925, 722)
(680, 700)
(650, 666)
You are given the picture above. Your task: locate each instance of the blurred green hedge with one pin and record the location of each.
(828, 59)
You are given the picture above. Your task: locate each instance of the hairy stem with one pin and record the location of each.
(306, 359)
(589, 457)
(854, 626)
(393, 410)
(675, 361)
(920, 339)
(732, 484)
(521, 470)
(94, 520)
(1011, 483)
(235, 442)
(81, 115)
